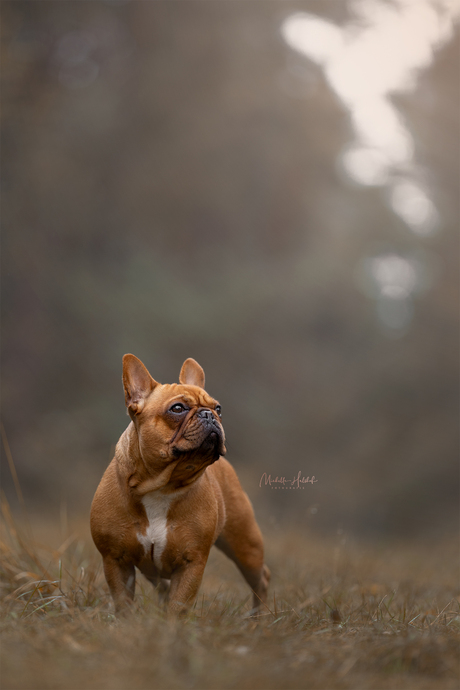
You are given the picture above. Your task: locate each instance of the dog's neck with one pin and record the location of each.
(141, 477)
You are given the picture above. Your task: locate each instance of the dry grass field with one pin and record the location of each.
(341, 615)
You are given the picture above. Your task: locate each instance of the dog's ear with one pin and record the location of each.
(191, 373)
(137, 382)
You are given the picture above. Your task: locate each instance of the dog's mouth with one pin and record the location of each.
(209, 450)
(202, 440)
(194, 461)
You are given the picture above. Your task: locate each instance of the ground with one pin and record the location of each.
(341, 614)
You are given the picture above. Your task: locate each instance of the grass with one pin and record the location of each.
(340, 615)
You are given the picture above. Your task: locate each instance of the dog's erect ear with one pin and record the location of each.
(137, 382)
(191, 373)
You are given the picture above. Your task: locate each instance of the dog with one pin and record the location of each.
(169, 494)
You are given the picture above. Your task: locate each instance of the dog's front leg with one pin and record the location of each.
(185, 583)
(121, 578)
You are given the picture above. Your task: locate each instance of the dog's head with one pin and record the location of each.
(174, 422)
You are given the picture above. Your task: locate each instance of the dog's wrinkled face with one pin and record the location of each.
(195, 416)
(175, 422)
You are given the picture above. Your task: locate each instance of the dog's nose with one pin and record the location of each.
(205, 413)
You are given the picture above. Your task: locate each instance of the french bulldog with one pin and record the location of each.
(169, 494)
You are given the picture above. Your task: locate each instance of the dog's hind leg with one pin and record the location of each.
(243, 543)
(162, 586)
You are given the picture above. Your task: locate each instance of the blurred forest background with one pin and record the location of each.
(237, 182)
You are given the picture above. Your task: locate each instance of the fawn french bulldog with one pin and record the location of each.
(169, 495)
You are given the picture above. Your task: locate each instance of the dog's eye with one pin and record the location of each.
(218, 410)
(177, 408)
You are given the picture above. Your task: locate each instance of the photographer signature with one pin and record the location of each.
(294, 483)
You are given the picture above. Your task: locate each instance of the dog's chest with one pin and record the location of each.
(156, 534)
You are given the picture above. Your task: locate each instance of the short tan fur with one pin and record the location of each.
(169, 494)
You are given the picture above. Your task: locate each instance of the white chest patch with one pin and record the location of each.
(156, 506)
